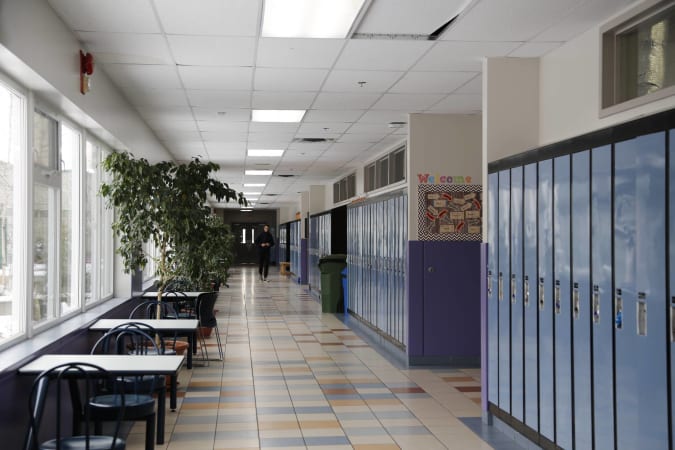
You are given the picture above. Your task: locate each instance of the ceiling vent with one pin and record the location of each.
(311, 140)
(272, 195)
(285, 175)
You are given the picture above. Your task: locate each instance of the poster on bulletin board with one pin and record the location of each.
(450, 212)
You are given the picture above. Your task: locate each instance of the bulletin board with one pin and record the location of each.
(450, 212)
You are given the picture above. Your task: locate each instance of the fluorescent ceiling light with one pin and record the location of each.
(254, 184)
(258, 172)
(277, 115)
(252, 193)
(309, 18)
(245, 210)
(263, 152)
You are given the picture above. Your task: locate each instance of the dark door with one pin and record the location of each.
(245, 251)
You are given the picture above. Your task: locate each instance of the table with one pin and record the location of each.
(172, 295)
(162, 326)
(117, 365)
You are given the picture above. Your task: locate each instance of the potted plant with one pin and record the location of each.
(164, 203)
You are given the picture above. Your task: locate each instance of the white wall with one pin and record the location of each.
(40, 52)
(570, 91)
(441, 144)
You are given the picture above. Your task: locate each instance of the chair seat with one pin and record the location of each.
(80, 443)
(104, 407)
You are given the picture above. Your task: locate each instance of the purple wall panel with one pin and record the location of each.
(483, 328)
(304, 256)
(415, 281)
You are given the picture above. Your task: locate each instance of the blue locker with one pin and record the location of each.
(545, 299)
(515, 286)
(601, 297)
(581, 296)
(640, 294)
(493, 306)
(561, 301)
(530, 296)
(503, 291)
(671, 296)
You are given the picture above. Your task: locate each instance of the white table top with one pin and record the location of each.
(115, 364)
(172, 295)
(157, 324)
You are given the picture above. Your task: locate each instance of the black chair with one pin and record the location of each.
(139, 390)
(78, 376)
(206, 316)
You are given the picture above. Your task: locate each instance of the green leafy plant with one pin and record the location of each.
(164, 203)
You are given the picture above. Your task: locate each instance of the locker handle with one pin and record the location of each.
(576, 301)
(618, 308)
(526, 290)
(513, 288)
(500, 287)
(672, 319)
(489, 283)
(541, 293)
(596, 304)
(556, 297)
(641, 315)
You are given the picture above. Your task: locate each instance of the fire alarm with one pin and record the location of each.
(86, 70)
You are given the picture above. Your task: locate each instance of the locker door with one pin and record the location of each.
(545, 299)
(601, 303)
(530, 296)
(561, 301)
(515, 286)
(503, 292)
(581, 296)
(671, 296)
(639, 262)
(493, 306)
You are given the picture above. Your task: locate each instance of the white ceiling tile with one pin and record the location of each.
(328, 100)
(534, 49)
(309, 147)
(289, 79)
(218, 100)
(126, 48)
(582, 18)
(360, 81)
(407, 102)
(155, 98)
(298, 53)
(365, 54)
(431, 82)
(216, 115)
(209, 17)
(166, 113)
(327, 115)
(273, 128)
(360, 138)
(136, 75)
(226, 78)
(515, 20)
(212, 50)
(222, 125)
(475, 86)
(380, 130)
(463, 56)
(178, 135)
(384, 117)
(323, 127)
(282, 100)
(221, 147)
(394, 16)
(349, 147)
(126, 16)
(459, 103)
(178, 125)
(224, 135)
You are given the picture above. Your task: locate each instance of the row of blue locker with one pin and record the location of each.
(319, 245)
(377, 236)
(580, 273)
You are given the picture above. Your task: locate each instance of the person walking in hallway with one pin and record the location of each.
(264, 242)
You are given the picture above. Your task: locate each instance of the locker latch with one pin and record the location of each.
(672, 319)
(500, 287)
(618, 310)
(576, 301)
(541, 293)
(489, 283)
(556, 297)
(513, 288)
(596, 303)
(642, 314)
(526, 290)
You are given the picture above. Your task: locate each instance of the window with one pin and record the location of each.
(639, 57)
(385, 171)
(344, 189)
(106, 241)
(12, 146)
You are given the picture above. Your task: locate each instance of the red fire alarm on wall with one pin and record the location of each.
(86, 70)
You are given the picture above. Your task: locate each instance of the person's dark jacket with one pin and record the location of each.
(264, 237)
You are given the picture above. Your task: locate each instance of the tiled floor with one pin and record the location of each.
(296, 378)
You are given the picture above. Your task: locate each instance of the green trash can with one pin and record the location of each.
(331, 281)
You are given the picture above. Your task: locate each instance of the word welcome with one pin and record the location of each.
(425, 178)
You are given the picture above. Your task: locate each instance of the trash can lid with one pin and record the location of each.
(337, 257)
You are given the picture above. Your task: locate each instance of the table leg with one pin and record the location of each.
(76, 401)
(172, 391)
(38, 409)
(190, 350)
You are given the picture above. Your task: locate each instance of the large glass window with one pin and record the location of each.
(106, 241)
(68, 250)
(12, 131)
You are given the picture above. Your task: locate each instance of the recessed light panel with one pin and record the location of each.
(254, 184)
(265, 152)
(309, 18)
(258, 172)
(277, 115)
